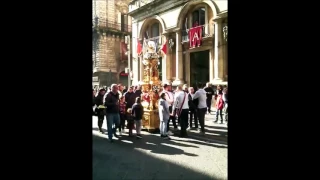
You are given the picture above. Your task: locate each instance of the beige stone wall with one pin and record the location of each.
(170, 25)
(102, 58)
(111, 11)
(109, 51)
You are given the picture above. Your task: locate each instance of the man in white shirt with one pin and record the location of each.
(181, 104)
(169, 98)
(201, 95)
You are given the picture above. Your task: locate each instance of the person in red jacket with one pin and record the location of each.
(219, 107)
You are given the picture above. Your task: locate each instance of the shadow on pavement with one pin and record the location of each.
(206, 137)
(216, 132)
(155, 145)
(216, 127)
(224, 141)
(120, 160)
(216, 145)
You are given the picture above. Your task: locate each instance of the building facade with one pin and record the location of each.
(110, 25)
(194, 32)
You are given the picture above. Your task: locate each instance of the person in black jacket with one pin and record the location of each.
(137, 91)
(193, 104)
(137, 113)
(124, 89)
(113, 110)
(129, 98)
(93, 100)
(210, 93)
(100, 111)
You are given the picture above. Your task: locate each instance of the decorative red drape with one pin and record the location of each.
(195, 38)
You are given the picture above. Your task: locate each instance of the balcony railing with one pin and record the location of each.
(207, 31)
(135, 4)
(102, 23)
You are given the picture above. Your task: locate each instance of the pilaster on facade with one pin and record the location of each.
(179, 63)
(217, 50)
(219, 53)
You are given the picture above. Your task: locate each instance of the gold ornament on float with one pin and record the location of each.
(150, 85)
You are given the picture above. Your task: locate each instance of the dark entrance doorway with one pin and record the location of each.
(123, 78)
(199, 67)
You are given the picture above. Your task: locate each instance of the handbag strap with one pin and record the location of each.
(182, 103)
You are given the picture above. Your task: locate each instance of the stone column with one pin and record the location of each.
(218, 53)
(211, 64)
(179, 63)
(206, 26)
(166, 62)
(141, 68)
(187, 68)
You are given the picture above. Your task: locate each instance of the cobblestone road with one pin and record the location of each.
(154, 158)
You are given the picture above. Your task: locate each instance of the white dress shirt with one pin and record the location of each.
(169, 97)
(178, 99)
(201, 94)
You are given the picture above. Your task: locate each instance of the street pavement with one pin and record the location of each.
(214, 132)
(154, 158)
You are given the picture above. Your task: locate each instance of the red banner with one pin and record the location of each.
(123, 51)
(195, 36)
(139, 48)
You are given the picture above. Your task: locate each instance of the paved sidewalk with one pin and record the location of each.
(214, 132)
(154, 158)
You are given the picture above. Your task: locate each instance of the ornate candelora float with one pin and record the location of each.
(150, 86)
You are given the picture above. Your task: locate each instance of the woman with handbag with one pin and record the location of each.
(100, 109)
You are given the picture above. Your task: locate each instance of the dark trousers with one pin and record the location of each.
(201, 113)
(209, 105)
(100, 120)
(122, 121)
(193, 114)
(173, 118)
(184, 121)
(130, 123)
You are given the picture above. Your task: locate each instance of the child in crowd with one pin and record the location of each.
(137, 113)
(130, 124)
(122, 115)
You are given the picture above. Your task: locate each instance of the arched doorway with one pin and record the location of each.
(197, 15)
(152, 30)
(199, 71)
(123, 78)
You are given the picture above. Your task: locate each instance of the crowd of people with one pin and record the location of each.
(184, 106)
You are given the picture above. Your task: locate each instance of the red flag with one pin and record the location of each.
(195, 36)
(139, 48)
(164, 47)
